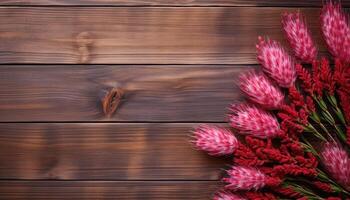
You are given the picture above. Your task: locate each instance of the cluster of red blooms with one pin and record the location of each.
(294, 132)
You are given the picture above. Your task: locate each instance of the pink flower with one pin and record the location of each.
(251, 120)
(261, 90)
(276, 62)
(337, 162)
(336, 30)
(299, 37)
(244, 178)
(214, 140)
(226, 195)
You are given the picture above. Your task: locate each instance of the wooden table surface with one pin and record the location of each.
(173, 65)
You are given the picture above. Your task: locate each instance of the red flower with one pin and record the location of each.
(326, 187)
(214, 140)
(337, 162)
(260, 196)
(305, 77)
(244, 178)
(310, 104)
(327, 76)
(298, 36)
(295, 96)
(260, 90)
(288, 191)
(244, 156)
(276, 62)
(333, 198)
(251, 120)
(340, 72)
(316, 78)
(293, 170)
(336, 30)
(345, 104)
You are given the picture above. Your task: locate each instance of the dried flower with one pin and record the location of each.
(336, 30)
(288, 191)
(326, 76)
(261, 90)
(345, 104)
(337, 162)
(326, 187)
(227, 195)
(316, 78)
(293, 170)
(299, 37)
(258, 195)
(276, 62)
(244, 178)
(251, 120)
(214, 140)
(295, 97)
(306, 80)
(246, 157)
(333, 198)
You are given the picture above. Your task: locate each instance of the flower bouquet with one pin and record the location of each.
(292, 136)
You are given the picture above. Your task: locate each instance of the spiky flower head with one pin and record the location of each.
(261, 90)
(214, 140)
(276, 62)
(299, 37)
(254, 121)
(246, 178)
(227, 195)
(337, 162)
(336, 30)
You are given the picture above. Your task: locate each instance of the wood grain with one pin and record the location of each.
(103, 151)
(283, 3)
(128, 190)
(151, 93)
(139, 35)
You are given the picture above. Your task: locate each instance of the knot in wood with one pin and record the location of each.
(84, 41)
(112, 100)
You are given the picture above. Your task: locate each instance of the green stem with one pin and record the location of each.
(304, 191)
(310, 128)
(328, 117)
(337, 110)
(316, 119)
(323, 177)
(309, 147)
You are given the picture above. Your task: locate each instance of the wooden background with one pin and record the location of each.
(175, 61)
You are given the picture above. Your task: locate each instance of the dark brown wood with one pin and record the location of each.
(150, 93)
(104, 151)
(134, 35)
(284, 3)
(121, 190)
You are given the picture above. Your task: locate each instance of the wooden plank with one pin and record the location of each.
(139, 35)
(104, 151)
(151, 93)
(284, 3)
(128, 190)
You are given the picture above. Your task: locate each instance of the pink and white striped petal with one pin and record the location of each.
(254, 121)
(299, 36)
(216, 141)
(244, 178)
(337, 162)
(260, 90)
(336, 30)
(276, 62)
